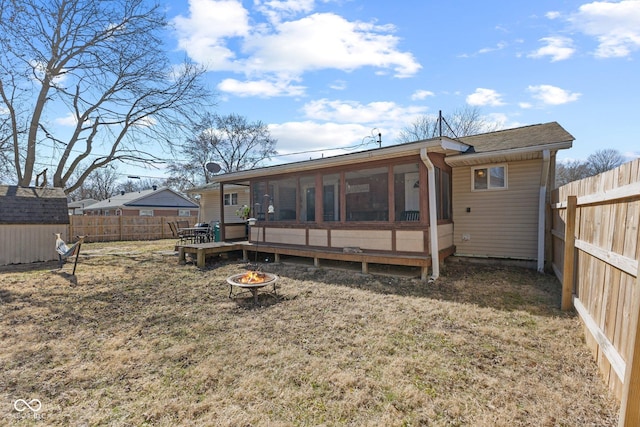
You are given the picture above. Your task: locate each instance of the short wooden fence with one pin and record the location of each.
(595, 253)
(118, 228)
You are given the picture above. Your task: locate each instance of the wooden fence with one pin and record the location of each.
(595, 253)
(113, 228)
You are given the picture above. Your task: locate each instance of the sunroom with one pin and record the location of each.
(389, 205)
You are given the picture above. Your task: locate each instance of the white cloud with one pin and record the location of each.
(484, 50)
(484, 96)
(311, 136)
(553, 95)
(209, 27)
(326, 40)
(338, 85)
(419, 95)
(219, 34)
(68, 120)
(616, 26)
(525, 105)
(558, 48)
(260, 88)
(552, 14)
(376, 113)
(276, 10)
(499, 46)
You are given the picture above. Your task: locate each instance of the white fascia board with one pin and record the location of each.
(475, 158)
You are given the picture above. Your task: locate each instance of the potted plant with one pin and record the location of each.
(243, 212)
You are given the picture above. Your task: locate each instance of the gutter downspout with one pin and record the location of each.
(542, 199)
(433, 215)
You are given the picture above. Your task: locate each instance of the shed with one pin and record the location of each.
(29, 216)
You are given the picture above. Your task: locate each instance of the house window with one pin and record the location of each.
(367, 195)
(231, 199)
(146, 212)
(489, 178)
(184, 212)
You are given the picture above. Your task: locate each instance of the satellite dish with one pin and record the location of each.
(213, 167)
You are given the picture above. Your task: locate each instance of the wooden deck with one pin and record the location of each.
(201, 250)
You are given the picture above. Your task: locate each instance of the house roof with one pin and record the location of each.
(32, 205)
(521, 143)
(82, 203)
(158, 198)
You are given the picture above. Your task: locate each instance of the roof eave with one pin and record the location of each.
(511, 154)
(347, 159)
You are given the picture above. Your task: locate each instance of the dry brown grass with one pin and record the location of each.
(135, 339)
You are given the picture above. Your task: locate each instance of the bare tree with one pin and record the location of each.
(604, 160)
(569, 171)
(98, 66)
(101, 184)
(462, 122)
(231, 141)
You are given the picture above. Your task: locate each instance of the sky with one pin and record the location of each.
(326, 75)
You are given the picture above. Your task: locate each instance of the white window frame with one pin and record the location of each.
(488, 172)
(184, 212)
(231, 199)
(145, 212)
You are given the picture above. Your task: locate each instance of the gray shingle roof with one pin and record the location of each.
(31, 205)
(522, 137)
(161, 197)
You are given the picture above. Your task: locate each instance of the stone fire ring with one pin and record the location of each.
(269, 279)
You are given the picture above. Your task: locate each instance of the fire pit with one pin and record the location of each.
(251, 281)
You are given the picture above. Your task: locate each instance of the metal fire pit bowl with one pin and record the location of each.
(235, 281)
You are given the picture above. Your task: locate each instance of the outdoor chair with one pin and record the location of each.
(410, 216)
(185, 235)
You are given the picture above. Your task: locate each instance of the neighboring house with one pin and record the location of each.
(77, 208)
(29, 217)
(476, 196)
(153, 202)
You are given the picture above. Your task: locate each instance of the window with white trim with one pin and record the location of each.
(184, 212)
(489, 178)
(146, 212)
(231, 199)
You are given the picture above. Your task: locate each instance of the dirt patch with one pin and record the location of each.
(135, 339)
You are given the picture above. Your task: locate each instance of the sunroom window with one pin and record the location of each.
(407, 192)
(367, 195)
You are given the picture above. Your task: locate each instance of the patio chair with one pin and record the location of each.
(185, 235)
(410, 216)
(174, 231)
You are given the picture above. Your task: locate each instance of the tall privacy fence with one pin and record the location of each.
(114, 228)
(595, 253)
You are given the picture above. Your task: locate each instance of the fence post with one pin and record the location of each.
(569, 253)
(629, 406)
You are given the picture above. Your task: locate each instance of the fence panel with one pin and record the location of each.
(600, 271)
(113, 228)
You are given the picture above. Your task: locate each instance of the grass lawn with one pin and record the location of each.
(135, 339)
